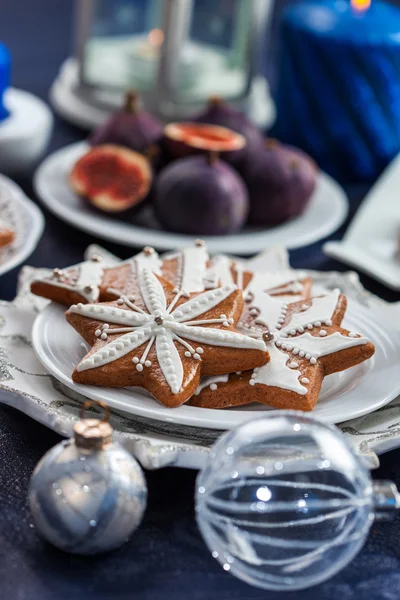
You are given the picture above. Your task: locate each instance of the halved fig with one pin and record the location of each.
(112, 178)
(187, 138)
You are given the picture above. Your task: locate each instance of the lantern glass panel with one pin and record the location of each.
(123, 45)
(217, 49)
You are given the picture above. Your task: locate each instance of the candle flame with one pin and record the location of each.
(156, 38)
(360, 5)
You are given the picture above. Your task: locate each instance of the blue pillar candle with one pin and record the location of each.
(5, 74)
(338, 96)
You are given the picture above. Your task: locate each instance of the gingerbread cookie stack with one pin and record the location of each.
(254, 334)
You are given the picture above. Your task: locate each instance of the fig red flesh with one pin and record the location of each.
(182, 139)
(112, 178)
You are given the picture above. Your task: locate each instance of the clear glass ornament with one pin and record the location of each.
(285, 503)
(88, 494)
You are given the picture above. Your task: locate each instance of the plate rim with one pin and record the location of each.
(37, 224)
(93, 393)
(135, 235)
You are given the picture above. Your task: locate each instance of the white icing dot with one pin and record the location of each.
(289, 347)
(304, 380)
(313, 360)
(284, 335)
(187, 354)
(135, 360)
(302, 353)
(196, 356)
(300, 329)
(106, 326)
(223, 317)
(120, 301)
(199, 350)
(281, 320)
(310, 326)
(226, 324)
(292, 332)
(308, 356)
(252, 382)
(322, 333)
(103, 336)
(295, 350)
(317, 323)
(98, 332)
(328, 322)
(304, 307)
(253, 312)
(213, 387)
(147, 363)
(278, 343)
(279, 326)
(293, 365)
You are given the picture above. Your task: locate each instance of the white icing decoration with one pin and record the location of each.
(280, 371)
(276, 373)
(219, 272)
(83, 279)
(209, 381)
(145, 260)
(192, 268)
(304, 380)
(161, 326)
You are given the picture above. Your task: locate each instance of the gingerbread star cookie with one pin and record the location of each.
(78, 283)
(162, 341)
(306, 343)
(287, 283)
(185, 269)
(7, 234)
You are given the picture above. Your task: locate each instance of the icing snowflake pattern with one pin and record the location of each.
(163, 326)
(296, 339)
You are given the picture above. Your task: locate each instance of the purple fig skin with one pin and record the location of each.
(130, 127)
(219, 112)
(198, 196)
(280, 180)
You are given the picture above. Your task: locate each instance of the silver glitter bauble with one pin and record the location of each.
(284, 502)
(88, 494)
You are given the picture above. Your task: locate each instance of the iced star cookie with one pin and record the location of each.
(306, 343)
(78, 283)
(287, 283)
(158, 339)
(185, 269)
(7, 234)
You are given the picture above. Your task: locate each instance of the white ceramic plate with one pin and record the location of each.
(372, 241)
(326, 212)
(25, 218)
(344, 396)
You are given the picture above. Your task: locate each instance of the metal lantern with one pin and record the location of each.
(177, 53)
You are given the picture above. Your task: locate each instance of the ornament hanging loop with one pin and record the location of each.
(93, 434)
(103, 405)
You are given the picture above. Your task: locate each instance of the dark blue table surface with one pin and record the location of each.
(166, 558)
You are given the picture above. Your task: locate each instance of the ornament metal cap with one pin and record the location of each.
(93, 434)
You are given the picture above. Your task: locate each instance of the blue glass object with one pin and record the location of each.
(339, 91)
(5, 75)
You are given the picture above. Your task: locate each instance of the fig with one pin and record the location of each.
(112, 178)
(280, 180)
(181, 139)
(201, 195)
(131, 127)
(219, 112)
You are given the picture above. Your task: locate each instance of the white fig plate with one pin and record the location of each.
(25, 218)
(347, 395)
(325, 213)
